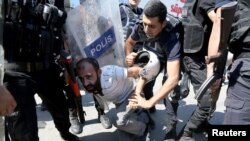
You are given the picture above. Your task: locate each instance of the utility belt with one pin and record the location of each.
(25, 66)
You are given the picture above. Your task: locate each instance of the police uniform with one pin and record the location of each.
(166, 46)
(238, 97)
(129, 17)
(32, 42)
(197, 28)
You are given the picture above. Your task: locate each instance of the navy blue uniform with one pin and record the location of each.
(238, 96)
(195, 46)
(166, 46)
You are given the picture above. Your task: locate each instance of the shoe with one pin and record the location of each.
(69, 137)
(187, 136)
(76, 127)
(104, 120)
(170, 132)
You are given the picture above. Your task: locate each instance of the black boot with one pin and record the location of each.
(76, 127)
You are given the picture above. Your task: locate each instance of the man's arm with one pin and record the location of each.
(173, 68)
(214, 41)
(211, 14)
(130, 55)
(7, 102)
(133, 71)
(217, 50)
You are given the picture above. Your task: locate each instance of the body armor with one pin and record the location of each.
(32, 35)
(193, 29)
(240, 27)
(159, 44)
(131, 20)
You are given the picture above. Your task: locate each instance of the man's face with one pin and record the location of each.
(89, 77)
(152, 26)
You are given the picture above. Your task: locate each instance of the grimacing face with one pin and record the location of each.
(88, 76)
(152, 26)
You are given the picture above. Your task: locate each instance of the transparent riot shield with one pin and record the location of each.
(94, 30)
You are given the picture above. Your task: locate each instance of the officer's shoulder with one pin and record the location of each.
(173, 22)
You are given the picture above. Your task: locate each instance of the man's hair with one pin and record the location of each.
(155, 8)
(92, 61)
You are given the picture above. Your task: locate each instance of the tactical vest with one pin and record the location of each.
(159, 44)
(132, 18)
(240, 32)
(194, 32)
(28, 38)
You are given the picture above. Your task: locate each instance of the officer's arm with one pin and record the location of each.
(211, 14)
(214, 40)
(173, 69)
(129, 45)
(130, 56)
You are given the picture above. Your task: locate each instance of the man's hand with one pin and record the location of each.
(136, 101)
(7, 102)
(130, 59)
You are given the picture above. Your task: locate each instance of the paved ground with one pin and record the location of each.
(93, 131)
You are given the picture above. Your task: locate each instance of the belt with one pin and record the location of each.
(25, 66)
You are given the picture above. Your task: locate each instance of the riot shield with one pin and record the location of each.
(94, 30)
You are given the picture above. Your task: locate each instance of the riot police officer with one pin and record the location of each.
(130, 14)
(32, 42)
(237, 101)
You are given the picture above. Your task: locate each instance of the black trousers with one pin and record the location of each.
(196, 69)
(197, 74)
(22, 125)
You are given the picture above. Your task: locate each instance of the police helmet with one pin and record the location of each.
(149, 62)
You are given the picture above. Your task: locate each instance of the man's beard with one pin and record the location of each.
(94, 88)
